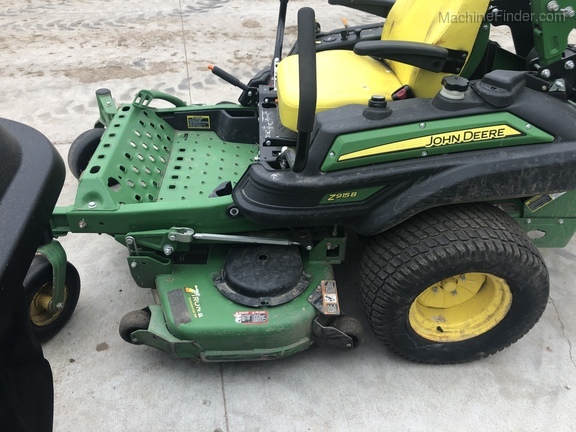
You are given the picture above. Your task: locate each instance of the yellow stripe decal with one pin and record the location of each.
(444, 139)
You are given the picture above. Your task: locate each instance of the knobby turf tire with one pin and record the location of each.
(399, 264)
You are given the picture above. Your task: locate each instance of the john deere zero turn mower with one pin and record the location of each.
(449, 157)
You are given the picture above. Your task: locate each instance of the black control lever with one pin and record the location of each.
(229, 78)
(249, 96)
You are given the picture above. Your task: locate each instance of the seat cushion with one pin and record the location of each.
(343, 78)
(452, 24)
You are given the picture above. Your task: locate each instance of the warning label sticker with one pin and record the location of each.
(330, 305)
(198, 122)
(539, 201)
(251, 317)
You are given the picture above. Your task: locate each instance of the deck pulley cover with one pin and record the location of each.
(262, 275)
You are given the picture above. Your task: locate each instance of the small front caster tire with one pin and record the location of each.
(132, 321)
(82, 149)
(350, 327)
(45, 320)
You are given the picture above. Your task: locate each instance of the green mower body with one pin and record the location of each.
(236, 222)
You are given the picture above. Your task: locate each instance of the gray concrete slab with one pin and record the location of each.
(55, 54)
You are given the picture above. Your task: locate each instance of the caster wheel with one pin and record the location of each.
(351, 327)
(38, 287)
(132, 321)
(82, 149)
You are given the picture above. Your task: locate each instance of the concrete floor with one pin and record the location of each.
(55, 54)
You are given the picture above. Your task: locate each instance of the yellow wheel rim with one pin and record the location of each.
(40, 313)
(460, 307)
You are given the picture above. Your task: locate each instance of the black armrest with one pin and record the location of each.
(376, 7)
(429, 57)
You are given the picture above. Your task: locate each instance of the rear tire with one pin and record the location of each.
(453, 284)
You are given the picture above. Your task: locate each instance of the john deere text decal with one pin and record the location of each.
(438, 140)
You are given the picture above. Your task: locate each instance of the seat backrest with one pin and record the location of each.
(452, 24)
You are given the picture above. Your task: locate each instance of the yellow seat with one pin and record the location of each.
(344, 77)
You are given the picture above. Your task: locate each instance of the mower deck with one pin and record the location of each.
(198, 321)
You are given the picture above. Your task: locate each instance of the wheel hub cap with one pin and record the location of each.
(41, 313)
(460, 307)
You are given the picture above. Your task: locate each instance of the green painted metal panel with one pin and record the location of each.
(549, 232)
(206, 215)
(200, 162)
(56, 255)
(551, 29)
(179, 167)
(158, 336)
(129, 164)
(437, 137)
(549, 219)
(478, 50)
(257, 354)
(196, 310)
(146, 175)
(146, 268)
(330, 250)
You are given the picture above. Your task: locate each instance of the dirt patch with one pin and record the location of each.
(89, 75)
(103, 346)
(250, 23)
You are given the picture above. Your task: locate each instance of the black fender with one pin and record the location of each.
(274, 197)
